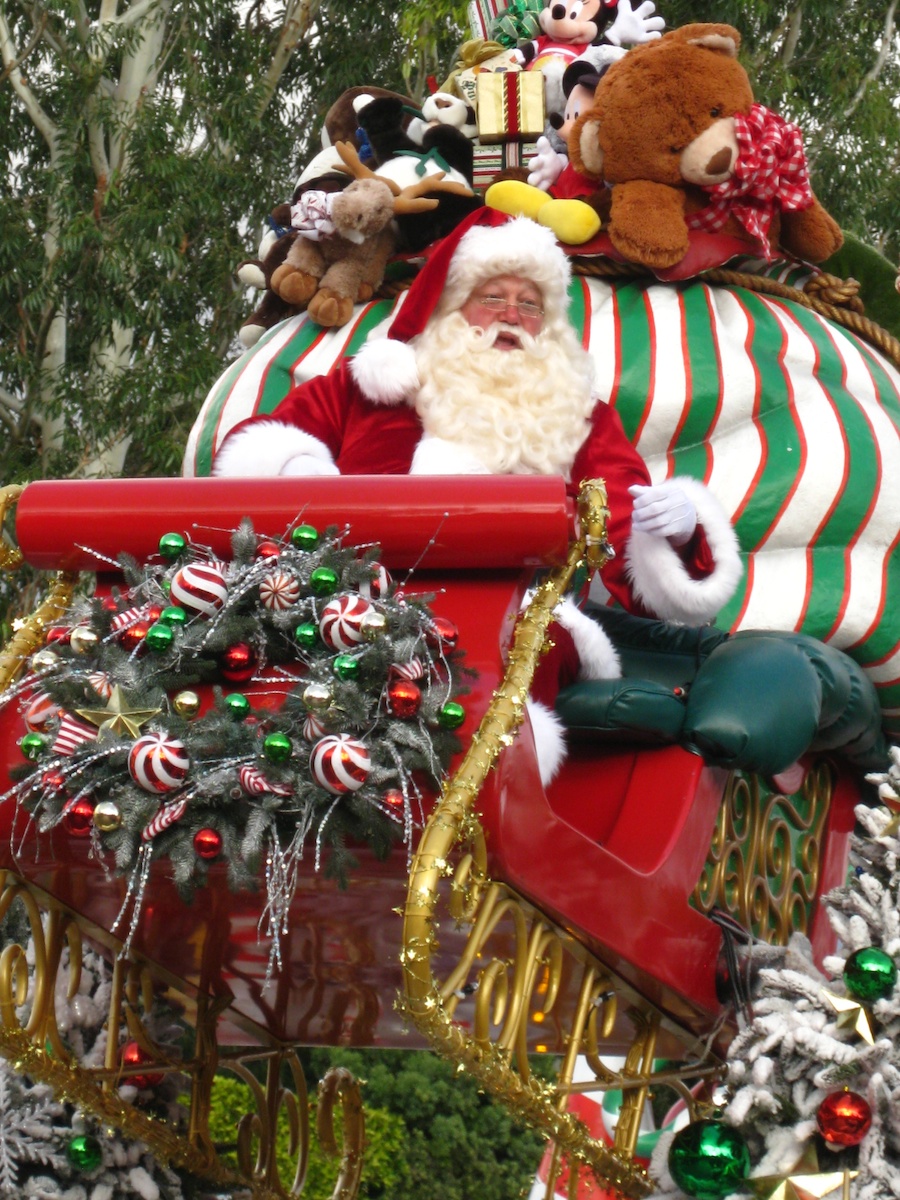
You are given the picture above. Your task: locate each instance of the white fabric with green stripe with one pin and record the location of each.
(792, 421)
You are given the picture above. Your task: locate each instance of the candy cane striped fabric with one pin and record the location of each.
(71, 734)
(792, 421)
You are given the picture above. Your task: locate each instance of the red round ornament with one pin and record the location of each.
(53, 781)
(60, 633)
(341, 621)
(200, 588)
(340, 763)
(844, 1118)
(132, 638)
(78, 818)
(208, 843)
(41, 710)
(268, 549)
(378, 586)
(133, 1054)
(158, 763)
(154, 612)
(404, 698)
(443, 633)
(393, 799)
(238, 662)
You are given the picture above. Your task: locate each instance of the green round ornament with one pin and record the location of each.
(159, 637)
(173, 615)
(451, 715)
(870, 974)
(709, 1160)
(277, 747)
(239, 705)
(307, 635)
(166, 585)
(346, 667)
(171, 545)
(84, 1152)
(305, 537)
(32, 746)
(323, 581)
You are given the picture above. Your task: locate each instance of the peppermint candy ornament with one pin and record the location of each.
(100, 682)
(167, 815)
(411, 670)
(279, 590)
(340, 623)
(255, 783)
(41, 710)
(124, 620)
(378, 586)
(340, 763)
(313, 728)
(158, 763)
(199, 588)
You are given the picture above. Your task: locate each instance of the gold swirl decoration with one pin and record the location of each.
(523, 981)
(30, 1040)
(764, 862)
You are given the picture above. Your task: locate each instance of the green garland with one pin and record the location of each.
(348, 721)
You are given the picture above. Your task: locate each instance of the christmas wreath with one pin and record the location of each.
(351, 713)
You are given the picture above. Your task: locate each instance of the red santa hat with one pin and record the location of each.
(486, 244)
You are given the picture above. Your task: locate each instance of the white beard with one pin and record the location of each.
(520, 412)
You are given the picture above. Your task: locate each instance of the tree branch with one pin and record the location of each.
(298, 19)
(871, 76)
(11, 59)
(795, 23)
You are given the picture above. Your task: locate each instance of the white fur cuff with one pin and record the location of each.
(264, 448)
(596, 654)
(549, 739)
(660, 579)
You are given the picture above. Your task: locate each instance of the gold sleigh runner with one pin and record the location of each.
(516, 970)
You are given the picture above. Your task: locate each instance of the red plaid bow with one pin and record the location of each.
(770, 173)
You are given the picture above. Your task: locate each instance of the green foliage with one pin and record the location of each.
(458, 1143)
(141, 160)
(817, 63)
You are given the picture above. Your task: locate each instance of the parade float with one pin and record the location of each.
(274, 762)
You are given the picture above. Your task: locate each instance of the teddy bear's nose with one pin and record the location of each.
(720, 162)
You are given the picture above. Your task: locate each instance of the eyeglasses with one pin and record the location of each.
(525, 308)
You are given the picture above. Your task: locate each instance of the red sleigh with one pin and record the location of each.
(572, 921)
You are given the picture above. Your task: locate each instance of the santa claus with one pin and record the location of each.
(481, 372)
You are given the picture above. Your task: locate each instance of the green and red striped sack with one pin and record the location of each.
(792, 421)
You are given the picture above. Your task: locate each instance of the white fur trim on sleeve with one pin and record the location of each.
(549, 739)
(435, 456)
(386, 372)
(659, 577)
(264, 449)
(596, 654)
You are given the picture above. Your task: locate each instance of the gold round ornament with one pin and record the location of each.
(317, 697)
(107, 816)
(83, 639)
(44, 660)
(372, 625)
(186, 704)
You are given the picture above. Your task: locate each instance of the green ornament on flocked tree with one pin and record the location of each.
(119, 747)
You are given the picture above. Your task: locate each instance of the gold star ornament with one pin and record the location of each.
(117, 717)
(850, 1015)
(803, 1182)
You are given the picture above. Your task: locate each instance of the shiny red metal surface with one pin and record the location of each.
(479, 522)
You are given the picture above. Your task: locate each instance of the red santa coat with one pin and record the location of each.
(331, 421)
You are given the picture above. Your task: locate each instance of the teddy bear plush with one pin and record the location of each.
(674, 133)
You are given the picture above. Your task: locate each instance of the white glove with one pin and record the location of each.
(663, 510)
(634, 25)
(546, 166)
(308, 464)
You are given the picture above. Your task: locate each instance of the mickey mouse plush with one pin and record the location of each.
(571, 27)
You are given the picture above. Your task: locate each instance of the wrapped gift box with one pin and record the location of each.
(482, 14)
(465, 78)
(490, 160)
(509, 106)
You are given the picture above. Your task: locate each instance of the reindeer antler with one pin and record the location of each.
(410, 199)
(352, 166)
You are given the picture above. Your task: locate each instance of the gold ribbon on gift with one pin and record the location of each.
(470, 54)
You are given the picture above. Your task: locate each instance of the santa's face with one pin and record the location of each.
(507, 300)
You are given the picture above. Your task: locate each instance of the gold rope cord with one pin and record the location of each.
(533, 970)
